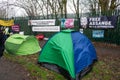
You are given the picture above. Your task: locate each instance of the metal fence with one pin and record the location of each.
(111, 36)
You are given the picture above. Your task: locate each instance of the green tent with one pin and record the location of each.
(68, 52)
(22, 45)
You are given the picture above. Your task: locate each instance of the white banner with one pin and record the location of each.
(42, 22)
(46, 29)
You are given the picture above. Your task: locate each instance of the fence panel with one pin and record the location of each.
(110, 35)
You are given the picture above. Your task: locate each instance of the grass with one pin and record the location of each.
(106, 69)
(103, 71)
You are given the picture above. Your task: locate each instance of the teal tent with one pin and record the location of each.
(22, 45)
(68, 51)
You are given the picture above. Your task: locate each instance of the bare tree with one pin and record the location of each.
(100, 6)
(108, 4)
(76, 6)
(52, 4)
(28, 6)
(2, 13)
(43, 7)
(39, 7)
(79, 6)
(3, 9)
(32, 7)
(103, 5)
(63, 8)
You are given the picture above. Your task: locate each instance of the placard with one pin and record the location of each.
(42, 22)
(46, 29)
(98, 33)
(16, 28)
(67, 23)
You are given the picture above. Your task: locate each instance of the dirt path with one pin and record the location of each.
(12, 71)
(104, 51)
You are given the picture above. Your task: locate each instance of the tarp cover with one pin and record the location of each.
(70, 50)
(22, 45)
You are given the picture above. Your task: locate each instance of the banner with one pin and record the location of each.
(67, 23)
(84, 22)
(6, 22)
(42, 22)
(16, 28)
(98, 33)
(98, 22)
(46, 29)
